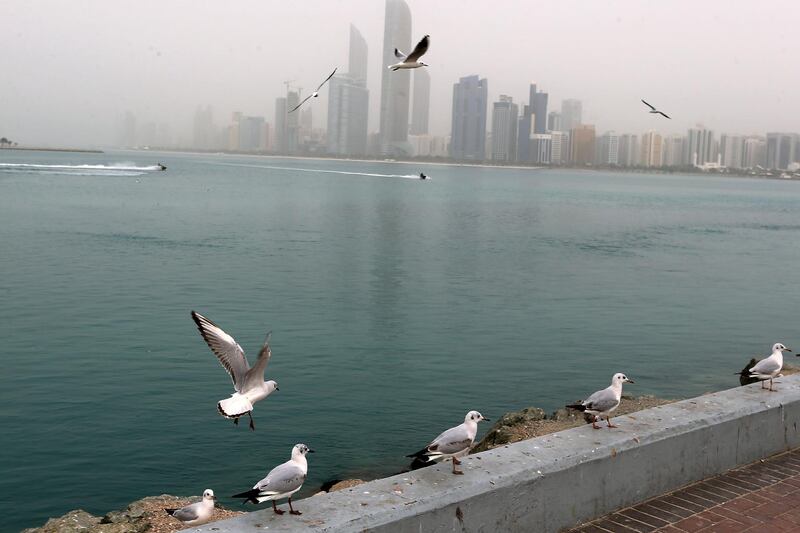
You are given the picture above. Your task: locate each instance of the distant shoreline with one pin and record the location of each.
(35, 149)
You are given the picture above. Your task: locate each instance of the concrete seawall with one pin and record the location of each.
(560, 480)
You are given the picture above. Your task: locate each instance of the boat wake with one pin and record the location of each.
(115, 169)
(318, 170)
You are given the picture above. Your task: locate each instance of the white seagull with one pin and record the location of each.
(196, 513)
(768, 368)
(654, 110)
(281, 482)
(603, 402)
(412, 60)
(248, 383)
(453, 443)
(315, 93)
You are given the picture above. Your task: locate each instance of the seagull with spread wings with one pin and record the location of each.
(654, 110)
(315, 93)
(248, 383)
(412, 60)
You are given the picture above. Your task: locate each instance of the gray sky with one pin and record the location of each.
(71, 69)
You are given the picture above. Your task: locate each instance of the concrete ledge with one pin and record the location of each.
(558, 481)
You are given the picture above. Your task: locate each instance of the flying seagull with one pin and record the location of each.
(196, 513)
(603, 402)
(248, 383)
(281, 482)
(768, 368)
(315, 93)
(654, 110)
(453, 443)
(412, 60)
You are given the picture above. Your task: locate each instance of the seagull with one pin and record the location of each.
(248, 383)
(196, 513)
(654, 110)
(315, 93)
(281, 482)
(768, 368)
(603, 402)
(412, 60)
(453, 443)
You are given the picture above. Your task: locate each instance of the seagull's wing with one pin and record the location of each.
(601, 401)
(229, 353)
(398, 54)
(648, 105)
(301, 103)
(419, 50)
(281, 479)
(664, 114)
(766, 366)
(255, 376)
(188, 513)
(451, 441)
(326, 79)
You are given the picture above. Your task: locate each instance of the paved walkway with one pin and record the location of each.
(762, 497)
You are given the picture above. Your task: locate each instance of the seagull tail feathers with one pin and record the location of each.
(170, 511)
(249, 496)
(235, 406)
(423, 454)
(577, 406)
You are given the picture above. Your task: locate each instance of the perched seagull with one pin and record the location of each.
(453, 443)
(603, 402)
(196, 513)
(315, 93)
(768, 368)
(412, 60)
(281, 482)
(654, 110)
(248, 382)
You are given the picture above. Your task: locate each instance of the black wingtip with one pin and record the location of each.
(577, 406)
(170, 511)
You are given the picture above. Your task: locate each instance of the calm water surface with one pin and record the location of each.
(396, 306)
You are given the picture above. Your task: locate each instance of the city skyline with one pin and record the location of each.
(163, 77)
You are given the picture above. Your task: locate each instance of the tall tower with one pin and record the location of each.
(395, 85)
(504, 130)
(357, 66)
(571, 111)
(468, 129)
(422, 102)
(348, 103)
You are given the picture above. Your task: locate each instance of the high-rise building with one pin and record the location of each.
(292, 123)
(532, 120)
(504, 129)
(524, 134)
(554, 121)
(755, 151)
(781, 150)
(422, 102)
(357, 66)
(672, 151)
(280, 142)
(628, 155)
(541, 148)
(348, 103)
(609, 149)
(699, 147)
(468, 129)
(559, 147)
(395, 84)
(251, 134)
(731, 149)
(571, 114)
(538, 106)
(651, 149)
(581, 145)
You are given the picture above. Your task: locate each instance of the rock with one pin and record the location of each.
(73, 522)
(505, 429)
(346, 484)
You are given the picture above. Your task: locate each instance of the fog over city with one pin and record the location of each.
(71, 70)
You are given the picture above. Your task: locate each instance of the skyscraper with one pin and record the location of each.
(554, 121)
(609, 149)
(628, 155)
(279, 143)
(468, 129)
(422, 102)
(672, 151)
(395, 85)
(541, 148)
(581, 145)
(292, 138)
(699, 147)
(781, 150)
(559, 147)
(651, 149)
(539, 108)
(348, 103)
(532, 120)
(251, 134)
(571, 114)
(731, 149)
(754, 153)
(504, 130)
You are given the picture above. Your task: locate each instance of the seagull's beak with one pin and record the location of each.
(787, 349)
(310, 450)
(487, 419)
(214, 498)
(630, 381)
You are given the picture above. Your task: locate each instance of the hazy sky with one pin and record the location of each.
(71, 69)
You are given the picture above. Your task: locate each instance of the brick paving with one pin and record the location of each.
(761, 497)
